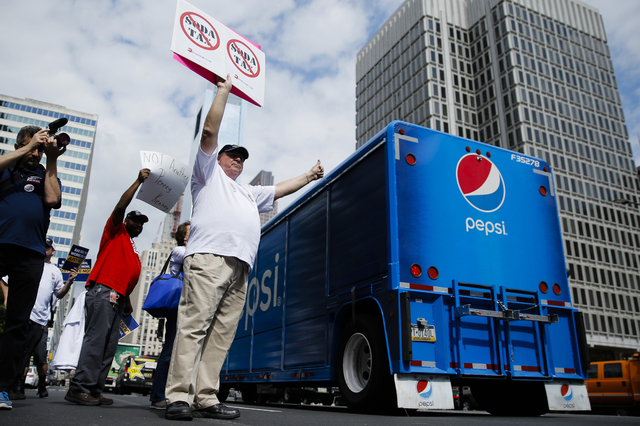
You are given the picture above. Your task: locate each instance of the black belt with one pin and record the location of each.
(35, 323)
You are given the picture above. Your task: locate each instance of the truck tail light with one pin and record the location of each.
(543, 191)
(433, 272)
(411, 159)
(416, 270)
(544, 287)
(556, 289)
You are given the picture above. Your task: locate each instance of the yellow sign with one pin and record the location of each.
(134, 370)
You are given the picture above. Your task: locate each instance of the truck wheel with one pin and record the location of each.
(249, 394)
(522, 399)
(223, 393)
(363, 368)
(288, 395)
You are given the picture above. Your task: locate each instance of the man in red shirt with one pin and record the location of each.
(113, 277)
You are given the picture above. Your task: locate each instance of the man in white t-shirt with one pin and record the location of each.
(223, 243)
(50, 284)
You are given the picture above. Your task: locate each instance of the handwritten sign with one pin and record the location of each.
(211, 49)
(167, 180)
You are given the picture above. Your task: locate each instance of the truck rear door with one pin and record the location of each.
(480, 250)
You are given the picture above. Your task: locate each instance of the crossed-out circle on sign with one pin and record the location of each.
(243, 58)
(199, 30)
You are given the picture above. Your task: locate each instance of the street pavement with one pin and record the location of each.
(134, 410)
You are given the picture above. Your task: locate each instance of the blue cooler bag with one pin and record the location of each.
(164, 294)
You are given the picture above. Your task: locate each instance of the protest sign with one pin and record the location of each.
(165, 183)
(127, 325)
(83, 271)
(211, 49)
(76, 256)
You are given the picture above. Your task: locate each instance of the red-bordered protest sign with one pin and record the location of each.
(198, 43)
(199, 31)
(243, 58)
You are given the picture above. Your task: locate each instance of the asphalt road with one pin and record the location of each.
(134, 410)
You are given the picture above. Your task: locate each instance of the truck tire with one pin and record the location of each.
(249, 394)
(289, 396)
(363, 368)
(522, 399)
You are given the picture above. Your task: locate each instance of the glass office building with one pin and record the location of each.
(535, 77)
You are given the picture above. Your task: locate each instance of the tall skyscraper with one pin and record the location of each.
(74, 166)
(231, 132)
(265, 178)
(535, 77)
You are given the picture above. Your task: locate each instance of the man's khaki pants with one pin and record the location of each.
(212, 299)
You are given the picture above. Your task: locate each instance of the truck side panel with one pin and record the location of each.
(305, 337)
(301, 269)
(358, 224)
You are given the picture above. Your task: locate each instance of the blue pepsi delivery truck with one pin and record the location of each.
(424, 261)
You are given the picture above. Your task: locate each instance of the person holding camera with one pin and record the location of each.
(111, 281)
(51, 287)
(28, 192)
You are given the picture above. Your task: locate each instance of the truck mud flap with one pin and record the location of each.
(423, 391)
(567, 395)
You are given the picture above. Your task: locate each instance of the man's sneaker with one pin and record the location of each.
(178, 410)
(81, 398)
(43, 393)
(218, 411)
(104, 400)
(159, 405)
(5, 402)
(16, 395)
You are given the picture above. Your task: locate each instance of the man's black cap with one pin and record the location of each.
(242, 150)
(136, 215)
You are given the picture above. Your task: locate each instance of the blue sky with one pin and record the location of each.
(112, 58)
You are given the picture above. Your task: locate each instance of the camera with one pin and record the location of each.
(62, 139)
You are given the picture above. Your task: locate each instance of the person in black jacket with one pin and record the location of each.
(28, 192)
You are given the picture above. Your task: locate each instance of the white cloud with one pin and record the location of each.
(112, 58)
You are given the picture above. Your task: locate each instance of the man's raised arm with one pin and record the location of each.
(292, 185)
(9, 159)
(209, 139)
(118, 212)
(52, 190)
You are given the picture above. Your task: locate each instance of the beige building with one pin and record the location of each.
(265, 178)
